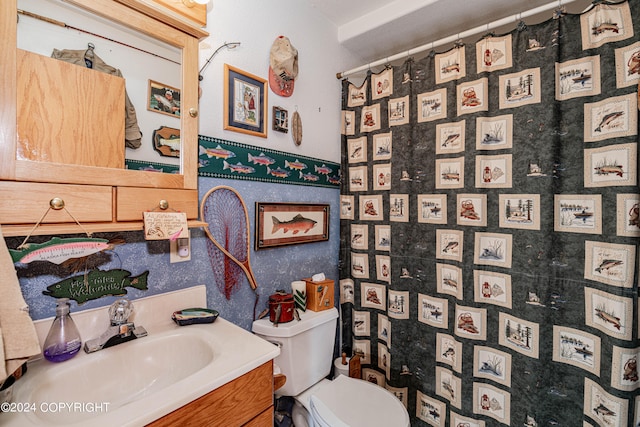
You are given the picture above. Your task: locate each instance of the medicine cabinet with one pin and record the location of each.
(62, 125)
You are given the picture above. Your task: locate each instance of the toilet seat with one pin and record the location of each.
(349, 402)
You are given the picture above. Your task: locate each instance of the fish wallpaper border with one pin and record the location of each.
(220, 158)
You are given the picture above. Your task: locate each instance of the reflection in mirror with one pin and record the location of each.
(152, 78)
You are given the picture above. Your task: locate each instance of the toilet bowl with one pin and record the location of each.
(306, 356)
(348, 402)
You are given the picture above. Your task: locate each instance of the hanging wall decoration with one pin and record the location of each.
(492, 245)
(280, 119)
(97, 284)
(245, 102)
(163, 99)
(280, 224)
(166, 141)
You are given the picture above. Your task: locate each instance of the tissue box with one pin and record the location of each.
(319, 294)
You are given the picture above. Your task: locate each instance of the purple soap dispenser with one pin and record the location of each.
(63, 341)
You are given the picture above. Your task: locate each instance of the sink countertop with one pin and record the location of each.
(236, 352)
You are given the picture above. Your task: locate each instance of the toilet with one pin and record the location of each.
(306, 357)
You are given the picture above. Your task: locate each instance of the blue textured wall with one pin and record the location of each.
(274, 268)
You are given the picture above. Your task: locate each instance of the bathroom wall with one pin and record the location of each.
(274, 268)
(317, 99)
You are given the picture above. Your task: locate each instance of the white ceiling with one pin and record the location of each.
(377, 29)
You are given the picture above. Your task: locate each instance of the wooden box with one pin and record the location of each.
(319, 294)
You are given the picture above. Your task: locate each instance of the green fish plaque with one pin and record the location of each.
(97, 284)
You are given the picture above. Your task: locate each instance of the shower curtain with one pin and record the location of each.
(489, 226)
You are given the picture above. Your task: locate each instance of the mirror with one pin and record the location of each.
(152, 73)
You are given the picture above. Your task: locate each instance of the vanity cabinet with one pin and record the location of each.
(56, 145)
(246, 401)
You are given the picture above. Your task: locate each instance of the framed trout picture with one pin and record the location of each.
(280, 224)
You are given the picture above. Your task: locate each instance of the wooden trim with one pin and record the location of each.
(97, 227)
(8, 115)
(75, 174)
(196, 13)
(156, 13)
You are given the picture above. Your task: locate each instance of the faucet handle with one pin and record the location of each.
(120, 311)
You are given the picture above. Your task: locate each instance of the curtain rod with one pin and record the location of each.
(477, 30)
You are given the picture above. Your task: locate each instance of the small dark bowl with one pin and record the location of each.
(190, 316)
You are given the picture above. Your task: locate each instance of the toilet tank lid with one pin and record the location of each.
(308, 319)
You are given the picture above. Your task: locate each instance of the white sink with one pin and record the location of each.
(120, 374)
(136, 382)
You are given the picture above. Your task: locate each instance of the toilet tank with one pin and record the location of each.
(306, 348)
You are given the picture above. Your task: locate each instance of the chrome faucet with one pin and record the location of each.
(120, 330)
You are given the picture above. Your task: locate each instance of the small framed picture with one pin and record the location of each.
(245, 102)
(280, 224)
(280, 120)
(163, 99)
